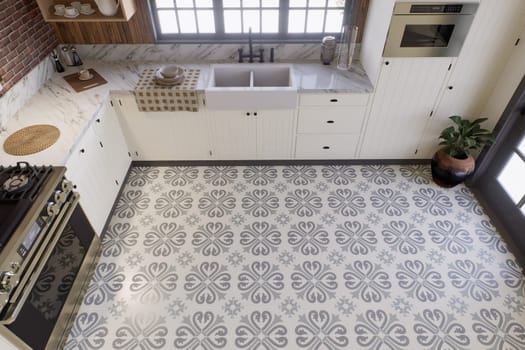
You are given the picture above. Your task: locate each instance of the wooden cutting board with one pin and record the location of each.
(83, 85)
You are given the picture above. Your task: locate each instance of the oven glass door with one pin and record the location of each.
(41, 310)
(426, 35)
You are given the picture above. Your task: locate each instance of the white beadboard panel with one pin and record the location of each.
(405, 95)
(374, 36)
(334, 120)
(233, 134)
(275, 134)
(486, 51)
(508, 81)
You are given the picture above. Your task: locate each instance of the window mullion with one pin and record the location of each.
(218, 13)
(283, 17)
(306, 12)
(195, 16)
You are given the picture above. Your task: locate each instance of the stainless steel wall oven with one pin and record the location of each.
(428, 29)
(47, 254)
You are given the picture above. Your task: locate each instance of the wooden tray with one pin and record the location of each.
(83, 85)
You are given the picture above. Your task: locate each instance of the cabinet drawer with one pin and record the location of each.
(339, 120)
(326, 146)
(333, 99)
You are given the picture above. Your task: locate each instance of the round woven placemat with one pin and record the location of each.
(31, 140)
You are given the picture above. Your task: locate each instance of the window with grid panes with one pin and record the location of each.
(231, 20)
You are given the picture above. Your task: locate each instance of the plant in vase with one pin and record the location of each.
(452, 164)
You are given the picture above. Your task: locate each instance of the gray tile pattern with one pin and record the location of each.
(300, 257)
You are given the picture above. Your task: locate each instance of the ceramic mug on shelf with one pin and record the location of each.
(76, 4)
(70, 11)
(85, 8)
(60, 10)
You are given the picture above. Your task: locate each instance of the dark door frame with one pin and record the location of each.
(505, 215)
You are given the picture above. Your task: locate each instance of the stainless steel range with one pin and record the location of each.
(47, 253)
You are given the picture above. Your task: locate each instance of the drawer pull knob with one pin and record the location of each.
(326, 147)
(248, 114)
(329, 122)
(334, 100)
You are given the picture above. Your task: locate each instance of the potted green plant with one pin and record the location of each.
(452, 164)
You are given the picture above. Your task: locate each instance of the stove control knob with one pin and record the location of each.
(60, 197)
(15, 266)
(52, 209)
(66, 185)
(5, 282)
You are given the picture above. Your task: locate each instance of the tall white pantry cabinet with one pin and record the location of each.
(414, 96)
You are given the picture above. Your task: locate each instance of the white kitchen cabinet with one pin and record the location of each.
(406, 93)
(487, 49)
(263, 134)
(162, 135)
(97, 166)
(329, 125)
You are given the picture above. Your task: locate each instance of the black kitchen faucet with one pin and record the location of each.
(251, 56)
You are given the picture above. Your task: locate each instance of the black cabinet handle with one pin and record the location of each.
(98, 120)
(82, 151)
(326, 147)
(255, 114)
(248, 114)
(75, 187)
(329, 122)
(450, 87)
(333, 100)
(387, 63)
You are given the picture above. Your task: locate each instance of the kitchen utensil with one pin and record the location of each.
(171, 71)
(74, 55)
(76, 5)
(346, 46)
(85, 74)
(328, 46)
(60, 10)
(83, 85)
(71, 12)
(58, 66)
(85, 9)
(108, 7)
(65, 54)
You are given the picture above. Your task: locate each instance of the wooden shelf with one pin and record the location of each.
(126, 10)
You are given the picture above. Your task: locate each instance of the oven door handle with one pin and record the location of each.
(63, 218)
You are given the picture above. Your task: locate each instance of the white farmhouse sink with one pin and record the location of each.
(251, 86)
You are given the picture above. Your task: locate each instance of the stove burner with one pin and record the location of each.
(22, 181)
(15, 182)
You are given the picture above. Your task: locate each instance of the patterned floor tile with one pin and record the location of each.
(300, 257)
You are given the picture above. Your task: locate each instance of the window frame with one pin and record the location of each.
(220, 37)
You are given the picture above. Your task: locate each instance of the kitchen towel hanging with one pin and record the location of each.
(152, 97)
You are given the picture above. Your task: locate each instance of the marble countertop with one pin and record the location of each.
(56, 103)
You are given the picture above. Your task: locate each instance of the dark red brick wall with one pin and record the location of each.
(25, 39)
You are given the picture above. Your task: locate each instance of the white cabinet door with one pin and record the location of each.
(233, 134)
(190, 136)
(162, 135)
(275, 134)
(405, 96)
(116, 156)
(85, 170)
(149, 135)
(486, 50)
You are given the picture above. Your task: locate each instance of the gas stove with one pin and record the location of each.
(19, 188)
(40, 221)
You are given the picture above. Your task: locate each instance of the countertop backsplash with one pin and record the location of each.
(18, 95)
(209, 53)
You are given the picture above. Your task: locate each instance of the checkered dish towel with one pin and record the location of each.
(152, 97)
